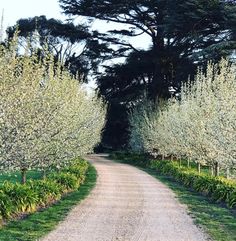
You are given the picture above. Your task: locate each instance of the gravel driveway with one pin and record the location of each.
(126, 205)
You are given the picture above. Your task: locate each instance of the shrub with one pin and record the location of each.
(17, 199)
(68, 180)
(48, 191)
(78, 168)
(23, 198)
(6, 205)
(218, 188)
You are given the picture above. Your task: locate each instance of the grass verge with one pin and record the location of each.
(40, 223)
(218, 221)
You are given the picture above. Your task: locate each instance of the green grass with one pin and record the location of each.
(16, 176)
(40, 223)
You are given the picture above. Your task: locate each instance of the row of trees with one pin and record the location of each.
(199, 126)
(183, 34)
(46, 118)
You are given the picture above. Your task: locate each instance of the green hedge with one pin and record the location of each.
(218, 188)
(17, 199)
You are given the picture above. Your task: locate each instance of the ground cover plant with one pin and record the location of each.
(20, 199)
(38, 224)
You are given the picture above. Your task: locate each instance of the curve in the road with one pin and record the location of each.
(127, 204)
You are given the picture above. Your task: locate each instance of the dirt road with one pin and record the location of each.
(126, 205)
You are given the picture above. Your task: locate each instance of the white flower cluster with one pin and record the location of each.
(45, 116)
(201, 126)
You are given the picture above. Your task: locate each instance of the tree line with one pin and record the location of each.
(46, 118)
(199, 126)
(184, 35)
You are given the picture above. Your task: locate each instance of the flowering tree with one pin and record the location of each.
(201, 125)
(45, 116)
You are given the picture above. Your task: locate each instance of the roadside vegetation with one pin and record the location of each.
(47, 120)
(18, 200)
(208, 212)
(199, 125)
(38, 224)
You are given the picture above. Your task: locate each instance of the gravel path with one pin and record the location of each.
(126, 205)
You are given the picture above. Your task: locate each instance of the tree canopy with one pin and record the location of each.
(184, 35)
(179, 30)
(46, 118)
(72, 45)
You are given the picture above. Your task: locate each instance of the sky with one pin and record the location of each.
(16, 9)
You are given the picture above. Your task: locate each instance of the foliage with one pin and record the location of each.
(198, 126)
(70, 44)
(218, 188)
(46, 118)
(67, 180)
(18, 199)
(38, 224)
(179, 36)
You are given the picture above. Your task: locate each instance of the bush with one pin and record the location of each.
(6, 205)
(48, 191)
(68, 180)
(78, 168)
(23, 198)
(17, 199)
(218, 188)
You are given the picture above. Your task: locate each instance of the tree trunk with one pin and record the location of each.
(23, 175)
(227, 173)
(44, 174)
(211, 170)
(171, 158)
(158, 88)
(180, 164)
(199, 167)
(217, 169)
(162, 156)
(188, 162)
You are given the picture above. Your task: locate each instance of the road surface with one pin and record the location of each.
(127, 204)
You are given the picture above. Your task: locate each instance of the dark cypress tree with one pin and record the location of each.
(184, 34)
